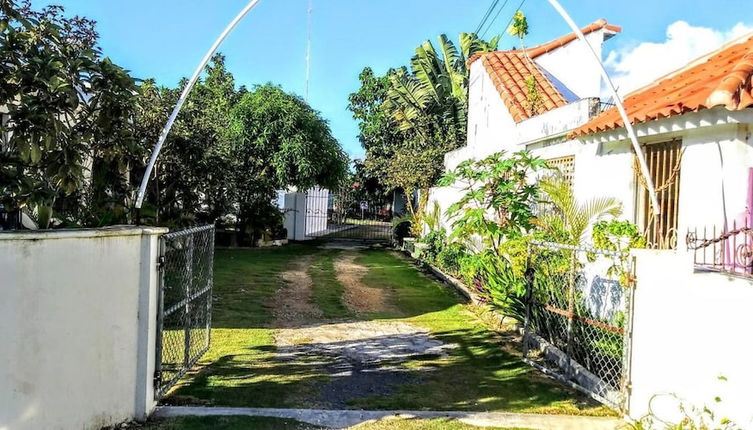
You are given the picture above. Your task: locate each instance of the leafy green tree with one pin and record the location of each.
(496, 212)
(431, 99)
(499, 198)
(279, 141)
(192, 181)
(368, 187)
(69, 115)
(411, 118)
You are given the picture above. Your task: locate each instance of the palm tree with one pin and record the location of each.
(568, 217)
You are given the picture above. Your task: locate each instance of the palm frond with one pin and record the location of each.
(570, 215)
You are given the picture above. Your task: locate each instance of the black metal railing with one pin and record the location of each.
(723, 250)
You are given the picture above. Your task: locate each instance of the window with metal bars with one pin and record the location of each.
(664, 160)
(566, 167)
(563, 168)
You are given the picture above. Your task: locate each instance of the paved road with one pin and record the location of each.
(371, 231)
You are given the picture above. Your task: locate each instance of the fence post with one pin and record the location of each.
(160, 317)
(187, 307)
(529, 274)
(571, 312)
(628, 335)
(209, 293)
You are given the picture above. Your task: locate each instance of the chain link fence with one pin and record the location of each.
(185, 308)
(577, 324)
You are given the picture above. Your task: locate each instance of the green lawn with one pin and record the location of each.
(242, 368)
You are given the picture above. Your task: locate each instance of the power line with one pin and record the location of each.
(491, 23)
(486, 15)
(513, 16)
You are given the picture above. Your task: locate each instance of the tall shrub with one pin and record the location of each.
(69, 115)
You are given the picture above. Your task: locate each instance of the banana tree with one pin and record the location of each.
(434, 90)
(428, 102)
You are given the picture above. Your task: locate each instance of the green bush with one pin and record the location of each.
(450, 257)
(436, 241)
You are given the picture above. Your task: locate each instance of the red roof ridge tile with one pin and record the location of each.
(564, 40)
(559, 42)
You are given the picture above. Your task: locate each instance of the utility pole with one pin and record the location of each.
(308, 47)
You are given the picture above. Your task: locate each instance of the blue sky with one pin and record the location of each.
(165, 39)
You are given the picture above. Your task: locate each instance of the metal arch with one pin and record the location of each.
(184, 96)
(618, 102)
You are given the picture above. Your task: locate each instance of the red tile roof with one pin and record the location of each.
(510, 69)
(721, 78)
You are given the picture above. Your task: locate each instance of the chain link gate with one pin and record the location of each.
(184, 313)
(578, 318)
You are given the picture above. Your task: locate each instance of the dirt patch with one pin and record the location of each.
(292, 303)
(363, 343)
(358, 297)
(363, 359)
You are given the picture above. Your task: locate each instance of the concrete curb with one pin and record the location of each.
(348, 418)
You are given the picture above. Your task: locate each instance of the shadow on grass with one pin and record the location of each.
(475, 374)
(244, 367)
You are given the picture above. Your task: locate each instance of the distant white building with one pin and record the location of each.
(694, 124)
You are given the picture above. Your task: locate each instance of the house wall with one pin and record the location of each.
(716, 161)
(600, 170)
(689, 328)
(490, 125)
(78, 327)
(491, 129)
(714, 177)
(574, 66)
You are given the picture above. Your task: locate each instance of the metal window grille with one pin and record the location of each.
(185, 303)
(577, 325)
(664, 160)
(566, 167)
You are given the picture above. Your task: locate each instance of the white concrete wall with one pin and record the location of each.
(714, 188)
(714, 177)
(490, 125)
(295, 215)
(714, 173)
(77, 327)
(689, 329)
(573, 65)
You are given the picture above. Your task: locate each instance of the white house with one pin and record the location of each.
(694, 125)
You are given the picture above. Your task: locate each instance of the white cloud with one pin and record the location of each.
(639, 65)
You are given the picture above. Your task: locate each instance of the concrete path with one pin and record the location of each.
(347, 418)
